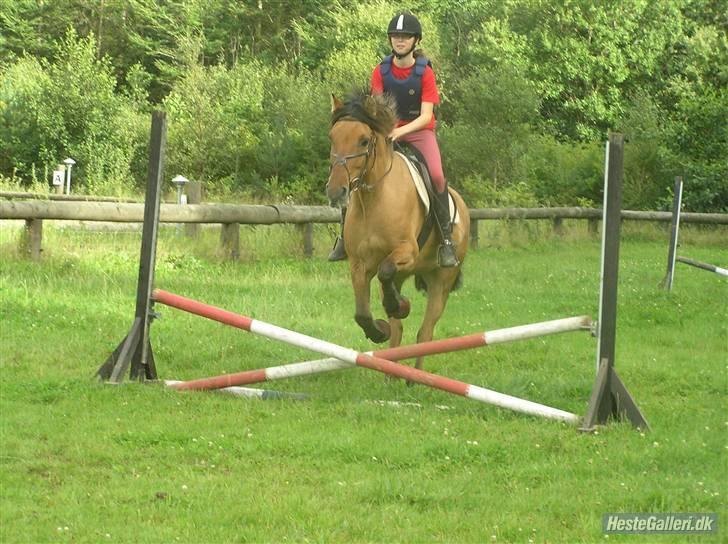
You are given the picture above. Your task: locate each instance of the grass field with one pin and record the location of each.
(85, 462)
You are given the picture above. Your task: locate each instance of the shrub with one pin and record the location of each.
(69, 108)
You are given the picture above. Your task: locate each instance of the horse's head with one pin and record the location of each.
(357, 126)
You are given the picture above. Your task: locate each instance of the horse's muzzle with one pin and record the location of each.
(338, 196)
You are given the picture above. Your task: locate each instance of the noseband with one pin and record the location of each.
(341, 160)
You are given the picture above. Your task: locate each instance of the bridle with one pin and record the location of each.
(341, 160)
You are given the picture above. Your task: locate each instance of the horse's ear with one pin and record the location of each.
(335, 103)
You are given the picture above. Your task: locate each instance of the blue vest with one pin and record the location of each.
(407, 92)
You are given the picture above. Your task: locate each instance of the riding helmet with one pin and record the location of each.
(405, 23)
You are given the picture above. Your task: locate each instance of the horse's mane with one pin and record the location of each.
(379, 112)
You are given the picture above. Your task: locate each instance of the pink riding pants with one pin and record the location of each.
(425, 142)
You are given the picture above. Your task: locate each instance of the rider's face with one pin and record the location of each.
(401, 42)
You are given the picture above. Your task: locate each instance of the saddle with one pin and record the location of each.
(425, 190)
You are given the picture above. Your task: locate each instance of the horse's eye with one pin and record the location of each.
(364, 142)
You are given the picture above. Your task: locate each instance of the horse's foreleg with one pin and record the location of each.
(399, 262)
(376, 330)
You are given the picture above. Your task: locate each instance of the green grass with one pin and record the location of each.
(86, 462)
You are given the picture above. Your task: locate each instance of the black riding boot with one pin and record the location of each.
(339, 251)
(446, 256)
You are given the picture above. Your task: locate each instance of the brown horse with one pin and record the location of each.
(384, 219)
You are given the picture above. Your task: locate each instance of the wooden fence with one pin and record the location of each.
(231, 216)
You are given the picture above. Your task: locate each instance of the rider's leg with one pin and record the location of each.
(426, 143)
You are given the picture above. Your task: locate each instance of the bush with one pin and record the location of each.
(565, 174)
(252, 129)
(69, 108)
(491, 112)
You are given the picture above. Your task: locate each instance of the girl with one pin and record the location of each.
(408, 76)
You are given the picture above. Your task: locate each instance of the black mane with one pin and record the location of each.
(378, 112)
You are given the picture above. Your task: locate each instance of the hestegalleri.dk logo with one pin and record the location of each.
(664, 523)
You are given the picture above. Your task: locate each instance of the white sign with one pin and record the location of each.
(58, 176)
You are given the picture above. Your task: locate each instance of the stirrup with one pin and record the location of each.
(338, 253)
(446, 257)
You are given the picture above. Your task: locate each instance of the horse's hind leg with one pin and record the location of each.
(395, 326)
(438, 290)
(395, 323)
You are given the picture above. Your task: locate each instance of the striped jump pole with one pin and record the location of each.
(704, 266)
(489, 338)
(362, 359)
(249, 392)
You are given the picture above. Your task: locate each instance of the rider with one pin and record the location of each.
(408, 76)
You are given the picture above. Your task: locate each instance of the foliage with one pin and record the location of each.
(494, 112)
(562, 174)
(257, 105)
(69, 108)
(250, 81)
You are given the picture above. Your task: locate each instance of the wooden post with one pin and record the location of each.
(135, 349)
(32, 239)
(230, 240)
(558, 226)
(474, 237)
(610, 398)
(593, 226)
(60, 169)
(307, 232)
(674, 228)
(194, 196)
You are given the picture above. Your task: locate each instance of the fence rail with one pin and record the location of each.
(231, 216)
(69, 198)
(255, 214)
(245, 214)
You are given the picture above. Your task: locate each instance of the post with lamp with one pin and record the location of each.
(180, 182)
(69, 162)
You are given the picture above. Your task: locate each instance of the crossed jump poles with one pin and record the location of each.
(609, 400)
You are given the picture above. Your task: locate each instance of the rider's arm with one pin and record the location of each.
(418, 123)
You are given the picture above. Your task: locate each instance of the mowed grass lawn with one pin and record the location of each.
(364, 459)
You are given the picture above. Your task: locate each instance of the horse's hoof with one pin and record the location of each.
(381, 332)
(399, 308)
(404, 309)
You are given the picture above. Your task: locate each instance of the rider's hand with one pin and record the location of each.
(396, 134)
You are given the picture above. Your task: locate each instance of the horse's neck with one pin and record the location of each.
(382, 164)
(386, 183)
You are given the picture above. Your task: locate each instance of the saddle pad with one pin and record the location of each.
(422, 190)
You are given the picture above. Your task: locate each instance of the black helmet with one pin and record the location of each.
(405, 23)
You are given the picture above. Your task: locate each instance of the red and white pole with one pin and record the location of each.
(489, 338)
(360, 359)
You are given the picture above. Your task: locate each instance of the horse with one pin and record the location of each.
(384, 218)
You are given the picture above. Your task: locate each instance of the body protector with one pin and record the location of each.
(407, 92)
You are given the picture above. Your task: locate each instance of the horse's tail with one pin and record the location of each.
(421, 285)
